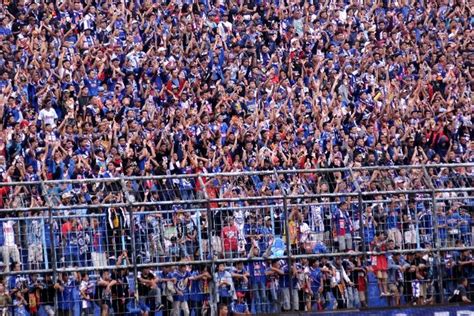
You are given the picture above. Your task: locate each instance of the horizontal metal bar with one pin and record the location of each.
(234, 260)
(234, 174)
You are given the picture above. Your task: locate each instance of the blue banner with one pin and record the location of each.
(465, 310)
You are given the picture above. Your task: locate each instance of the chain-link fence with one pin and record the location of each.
(256, 242)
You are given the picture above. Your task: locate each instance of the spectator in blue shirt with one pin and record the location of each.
(180, 299)
(258, 280)
(316, 280)
(199, 290)
(240, 307)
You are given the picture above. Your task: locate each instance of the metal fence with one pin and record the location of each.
(262, 241)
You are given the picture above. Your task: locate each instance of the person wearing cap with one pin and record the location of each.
(240, 307)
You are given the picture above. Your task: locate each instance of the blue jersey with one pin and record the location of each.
(257, 272)
(199, 288)
(285, 278)
(181, 285)
(238, 307)
(239, 284)
(315, 277)
(466, 225)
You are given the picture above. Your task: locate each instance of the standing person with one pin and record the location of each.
(10, 248)
(199, 292)
(240, 277)
(460, 293)
(47, 295)
(379, 263)
(115, 225)
(442, 227)
(410, 277)
(5, 301)
(103, 293)
(393, 224)
(187, 233)
(64, 288)
(359, 276)
(395, 277)
(465, 227)
(146, 282)
(409, 226)
(34, 236)
(224, 285)
(316, 285)
(98, 243)
(155, 236)
(180, 299)
(258, 280)
(85, 290)
(34, 292)
(286, 281)
(369, 225)
(273, 274)
(343, 227)
(342, 281)
(230, 238)
(240, 307)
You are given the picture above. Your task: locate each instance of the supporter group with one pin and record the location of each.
(120, 89)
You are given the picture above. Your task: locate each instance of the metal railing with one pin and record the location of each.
(340, 209)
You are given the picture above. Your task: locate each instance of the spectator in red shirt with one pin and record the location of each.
(230, 238)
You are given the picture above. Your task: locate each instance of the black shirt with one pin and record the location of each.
(143, 289)
(458, 294)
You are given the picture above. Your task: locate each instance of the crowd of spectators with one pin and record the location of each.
(95, 89)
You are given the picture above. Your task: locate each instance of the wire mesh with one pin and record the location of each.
(262, 242)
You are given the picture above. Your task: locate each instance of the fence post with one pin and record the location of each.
(54, 260)
(438, 262)
(133, 255)
(361, 213)
(289, 262)
(210, 234)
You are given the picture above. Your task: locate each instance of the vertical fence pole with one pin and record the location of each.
(210, 235)
(54, 261)
(361, 212)
(288, 247)
(289, 262)
(133, 255)
(438, 261)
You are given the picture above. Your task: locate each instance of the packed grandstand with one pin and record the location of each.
(211, 157)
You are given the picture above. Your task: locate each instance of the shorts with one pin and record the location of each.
(99, 259)
(382, 274)
(410, 237)
(35, 253)
(393, 288)
(142, 305)
(345, 242)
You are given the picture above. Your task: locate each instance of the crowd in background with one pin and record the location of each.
(93, 89)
